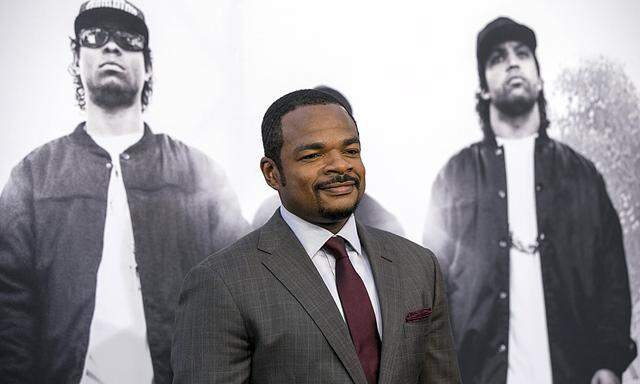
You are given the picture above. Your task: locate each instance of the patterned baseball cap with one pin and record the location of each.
(119, 12)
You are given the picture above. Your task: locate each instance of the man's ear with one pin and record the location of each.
(484, 94)
(271, 173)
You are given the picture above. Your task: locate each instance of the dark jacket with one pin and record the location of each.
(52, 216)
(584, 272)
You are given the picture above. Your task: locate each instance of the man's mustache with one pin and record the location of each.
(339, 179)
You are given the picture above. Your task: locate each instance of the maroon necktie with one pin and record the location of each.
(357, 309)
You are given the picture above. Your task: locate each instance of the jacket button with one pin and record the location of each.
(502, 194)
(109, 165)
(502, 348)
(538, 187)
(542, 236)
(498, 151)
(502, 244)
(503, 295)
(126, 156)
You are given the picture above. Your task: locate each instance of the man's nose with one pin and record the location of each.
(112, 46)
(512, 60)
(338, 163)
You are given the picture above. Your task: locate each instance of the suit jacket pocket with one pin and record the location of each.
(417, 328)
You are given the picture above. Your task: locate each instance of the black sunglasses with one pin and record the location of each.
(97, 37)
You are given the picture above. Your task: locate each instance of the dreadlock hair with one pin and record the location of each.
(147, 89)
(272, 120)
(482, 105)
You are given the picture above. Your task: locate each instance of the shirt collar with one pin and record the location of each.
(115, 145)
(313, 237)
(501, 141)
(82, 138)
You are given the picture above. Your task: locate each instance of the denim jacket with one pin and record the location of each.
(52, 216)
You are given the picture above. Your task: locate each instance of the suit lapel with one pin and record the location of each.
(289, 263)
(388, 284)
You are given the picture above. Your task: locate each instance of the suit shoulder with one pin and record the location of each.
(408, 248)
(236, 259)
(417, 264)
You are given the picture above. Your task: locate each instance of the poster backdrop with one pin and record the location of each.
(407, 67)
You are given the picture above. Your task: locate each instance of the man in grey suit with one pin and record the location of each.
(313, 296)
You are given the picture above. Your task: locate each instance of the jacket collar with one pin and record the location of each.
(287, 260)
(82, 138)
(490, 138)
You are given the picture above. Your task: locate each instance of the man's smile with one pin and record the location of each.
(340, 188)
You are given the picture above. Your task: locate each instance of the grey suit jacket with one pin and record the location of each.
(259, 312)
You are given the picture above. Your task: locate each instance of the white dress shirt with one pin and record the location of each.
(118, 350)
(529, 358)
(313, 237)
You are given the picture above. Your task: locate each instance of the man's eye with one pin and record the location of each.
(495, 59)
(310, 156)
(523, 54)
(353, 151)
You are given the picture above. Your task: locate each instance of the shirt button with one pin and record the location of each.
(109, 165)
(502, 194)
(538, 187)
(126, 156)
(502, 348)
(503, 295)
(502, 244)
(498, 151)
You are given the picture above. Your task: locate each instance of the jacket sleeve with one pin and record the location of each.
(438, 235)
(225, 215)
(18, 316)
(442, 362)
(210, 344)
(614, 317)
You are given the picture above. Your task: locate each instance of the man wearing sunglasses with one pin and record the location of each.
(99, 227)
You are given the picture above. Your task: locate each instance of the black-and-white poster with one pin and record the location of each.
(418, 78)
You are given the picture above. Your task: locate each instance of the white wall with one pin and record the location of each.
(408, 68)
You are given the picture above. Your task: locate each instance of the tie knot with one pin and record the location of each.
(336, 247)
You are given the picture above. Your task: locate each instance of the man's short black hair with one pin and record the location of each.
(335, 93)
(272, 120)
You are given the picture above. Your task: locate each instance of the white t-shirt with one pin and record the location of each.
(118, 350)
(529, 359)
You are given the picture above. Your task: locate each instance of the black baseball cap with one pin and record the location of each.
(498, 31)
(119, 12)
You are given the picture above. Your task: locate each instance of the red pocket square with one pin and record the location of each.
(418, 315)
